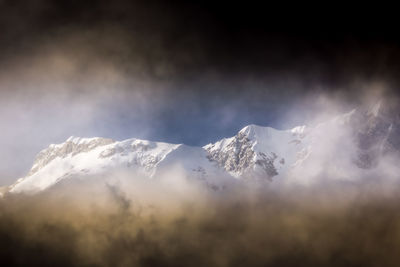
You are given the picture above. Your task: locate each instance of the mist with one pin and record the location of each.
(123, 220)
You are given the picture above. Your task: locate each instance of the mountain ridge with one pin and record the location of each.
(255, 152)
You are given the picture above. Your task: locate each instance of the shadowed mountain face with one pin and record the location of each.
(376, 133)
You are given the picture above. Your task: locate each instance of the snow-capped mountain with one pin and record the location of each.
(257, 151)
(341, 146)
(91, 156)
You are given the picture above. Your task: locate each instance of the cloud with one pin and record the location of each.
(146, 223)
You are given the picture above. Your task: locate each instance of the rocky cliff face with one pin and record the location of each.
(235, 155)
(256, 152)
(376, 133)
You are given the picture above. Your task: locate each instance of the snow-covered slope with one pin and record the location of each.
(91, 156)
(339, 147)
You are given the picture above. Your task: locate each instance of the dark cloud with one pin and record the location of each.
(328, 226)
(228, 37)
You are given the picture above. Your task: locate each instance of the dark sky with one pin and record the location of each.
(181, 71)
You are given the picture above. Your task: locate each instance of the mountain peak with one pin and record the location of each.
(72, 146)
(253, 131)
(249, 130)
(83, 140)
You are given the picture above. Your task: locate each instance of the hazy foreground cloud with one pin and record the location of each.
(171, 221)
